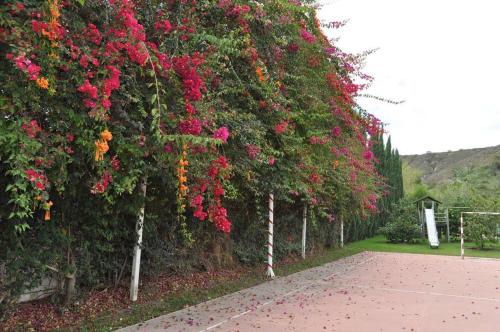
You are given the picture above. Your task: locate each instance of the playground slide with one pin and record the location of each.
(432, 234)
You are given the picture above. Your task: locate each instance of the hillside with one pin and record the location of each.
(439, 168)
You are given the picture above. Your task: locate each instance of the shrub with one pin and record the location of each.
(481, 230)
(402, 225)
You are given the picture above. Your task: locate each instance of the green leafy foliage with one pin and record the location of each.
(482, 229)
(402, 226)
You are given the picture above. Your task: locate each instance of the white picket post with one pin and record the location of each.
(136, 262)
(341, 232)
(304, 231)
(270, 272)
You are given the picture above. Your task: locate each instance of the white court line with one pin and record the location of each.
(218, 324)
(350, 267)
(430, 293)
(241, 314)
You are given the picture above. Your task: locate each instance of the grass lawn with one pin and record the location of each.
(179, 300)
(379, 243)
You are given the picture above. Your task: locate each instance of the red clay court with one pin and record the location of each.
(365, 292)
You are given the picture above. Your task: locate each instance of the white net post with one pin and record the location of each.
(462, 249)
(304, 231)
(270, 272)
(341, 232)
(447, 216)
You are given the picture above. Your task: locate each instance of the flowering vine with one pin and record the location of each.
(171, 74)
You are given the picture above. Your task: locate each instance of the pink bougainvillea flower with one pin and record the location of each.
(164, 26)
(32, 128)
(137, 53)
(218, 215)
(88, 89)
(185, 67)
(222, 133)
(190, 109)
(84, 61)
(190, 126)
(197, 204)
(314, 177)
(33, 71)
(31, 174)
(103, 183)
(221, 162)
(28, 67)
(307, 36)
(89, 103)
(224, 3)
(20, 6)
(252, 151)
(336, 131)
(115, 163)
(92, 33)
(168, 148)
(368, 155)
(281, 127)
(113, 82)
(106, 104)
(330, 50)
(353, 176)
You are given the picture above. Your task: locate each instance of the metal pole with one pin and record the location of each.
(270, 272)
(304, 231)
(462, 250)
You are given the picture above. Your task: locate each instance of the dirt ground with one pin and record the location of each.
(365, 292)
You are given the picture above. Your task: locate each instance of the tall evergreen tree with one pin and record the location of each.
(390, 167)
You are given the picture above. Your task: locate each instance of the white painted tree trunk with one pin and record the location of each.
(136, 263)
(341, 232)
(304, 231)
(270, 272)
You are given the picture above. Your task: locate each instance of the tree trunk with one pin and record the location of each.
(70, 278)
(69, 291)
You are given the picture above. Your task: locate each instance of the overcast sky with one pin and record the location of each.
(441, 56)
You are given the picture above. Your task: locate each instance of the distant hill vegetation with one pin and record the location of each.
(441, 168)
(470, 177)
